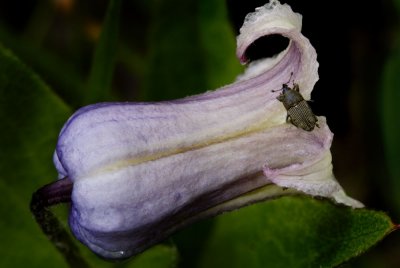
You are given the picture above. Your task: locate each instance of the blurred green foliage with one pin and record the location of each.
(102, 67)
(390, 96)
(178, 48)
(192, 49)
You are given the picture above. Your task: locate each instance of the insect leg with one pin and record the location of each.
(288, 119)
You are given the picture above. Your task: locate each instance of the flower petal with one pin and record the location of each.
(150, 199)
(143, 170)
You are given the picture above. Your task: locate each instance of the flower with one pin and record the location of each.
(141, 171)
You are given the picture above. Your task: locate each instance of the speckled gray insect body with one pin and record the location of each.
(299, 112)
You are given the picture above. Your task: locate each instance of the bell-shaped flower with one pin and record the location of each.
(141, 171)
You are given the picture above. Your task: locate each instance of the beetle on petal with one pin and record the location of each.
(299, 112)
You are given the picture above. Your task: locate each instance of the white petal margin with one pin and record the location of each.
(143, 170)
(274, 18)
(313, 176)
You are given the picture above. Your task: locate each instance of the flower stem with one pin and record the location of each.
(47, 196)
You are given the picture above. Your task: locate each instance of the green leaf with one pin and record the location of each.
(192, 48)
(160, 256)
(293, 232)
(100, 78)
(31, 117)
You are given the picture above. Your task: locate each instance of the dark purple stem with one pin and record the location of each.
(47, 196)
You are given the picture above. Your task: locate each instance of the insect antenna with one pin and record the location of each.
(276, 90)
(290, 78)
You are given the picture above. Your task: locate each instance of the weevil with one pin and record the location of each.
(299, 112)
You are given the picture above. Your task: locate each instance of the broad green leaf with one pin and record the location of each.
(390, 120)
(160, 256)
(293, 232)
(100, 78)
(192, 48)
(31, 117)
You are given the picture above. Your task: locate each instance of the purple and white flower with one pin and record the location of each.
(141, 171)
